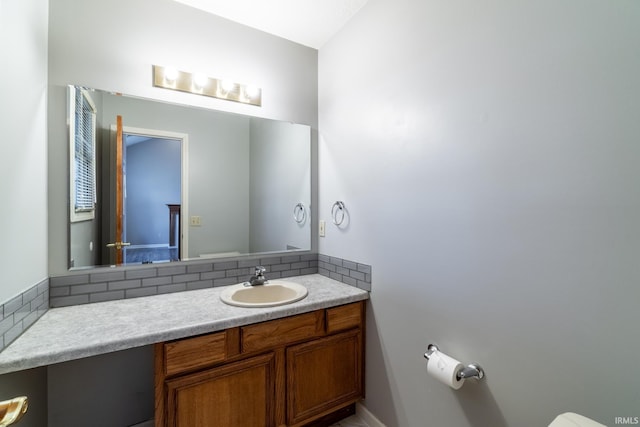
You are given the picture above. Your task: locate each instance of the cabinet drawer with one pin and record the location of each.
(344, 317)
(280, 332)
(193, 353)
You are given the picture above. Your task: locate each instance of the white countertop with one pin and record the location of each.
(75, 332)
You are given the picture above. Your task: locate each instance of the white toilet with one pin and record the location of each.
(569, 419)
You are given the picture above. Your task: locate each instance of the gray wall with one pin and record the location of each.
(23, 185)
(117, 55)
(279, 179)
(84, 242)
(114, 389)
(489, 164)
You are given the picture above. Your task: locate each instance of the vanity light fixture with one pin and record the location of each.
(200, 84)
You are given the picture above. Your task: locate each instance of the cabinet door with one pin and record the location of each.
(323, 375)
(237, 395)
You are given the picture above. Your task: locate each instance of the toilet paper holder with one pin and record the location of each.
(473, 370)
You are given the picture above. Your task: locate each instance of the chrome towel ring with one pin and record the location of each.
(299, 213)
(338, 212)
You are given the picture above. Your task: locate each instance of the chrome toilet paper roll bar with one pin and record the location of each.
(472, 370)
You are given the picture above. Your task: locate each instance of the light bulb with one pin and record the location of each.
(170, 74)
(252, 91)
(200, 80)
(228, 85)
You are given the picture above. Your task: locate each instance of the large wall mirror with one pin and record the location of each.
(155, 182)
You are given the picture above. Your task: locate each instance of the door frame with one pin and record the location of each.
(184, 173)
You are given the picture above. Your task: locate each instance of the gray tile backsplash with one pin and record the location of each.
(345, 271)
(17, 314)
(133, 282)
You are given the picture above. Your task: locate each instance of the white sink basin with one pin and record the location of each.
(272, 293)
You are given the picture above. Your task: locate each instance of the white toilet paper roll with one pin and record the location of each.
(445, 369)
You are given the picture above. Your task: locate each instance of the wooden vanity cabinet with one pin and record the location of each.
(294, 371)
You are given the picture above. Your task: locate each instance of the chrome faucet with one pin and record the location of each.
(258, 278)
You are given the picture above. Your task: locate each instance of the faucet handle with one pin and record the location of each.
(260, 270)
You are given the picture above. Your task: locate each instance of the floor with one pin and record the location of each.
(149, 255)
(352, 421)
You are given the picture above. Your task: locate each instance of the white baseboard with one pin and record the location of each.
(363, 413)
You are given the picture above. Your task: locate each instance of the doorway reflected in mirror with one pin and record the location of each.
(152, 198)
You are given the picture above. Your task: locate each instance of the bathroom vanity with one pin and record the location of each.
(290, 371)
(289, 365)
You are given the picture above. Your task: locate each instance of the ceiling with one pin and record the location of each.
(308, 22)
